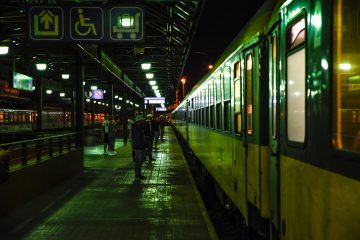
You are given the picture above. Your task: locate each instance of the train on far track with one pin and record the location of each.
(276, 123)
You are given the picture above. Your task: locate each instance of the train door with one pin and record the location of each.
(273, 63)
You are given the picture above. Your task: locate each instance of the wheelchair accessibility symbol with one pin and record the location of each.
(86, 23)
(85, 27)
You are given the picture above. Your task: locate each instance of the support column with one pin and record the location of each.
(39, 98)
(73, 111)
(124, 114)
(111, 102)
(79, 101)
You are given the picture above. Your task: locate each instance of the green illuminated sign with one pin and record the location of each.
(86, 23)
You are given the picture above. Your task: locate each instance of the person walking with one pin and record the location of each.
(162, 123)
(139, 145)
(105, 125)
(156, 130)
(111, 138)
(149, 133)
(130, 124)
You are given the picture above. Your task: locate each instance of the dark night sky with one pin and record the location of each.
(219, 24)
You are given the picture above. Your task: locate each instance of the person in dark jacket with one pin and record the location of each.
(149, 133)
(139, 144)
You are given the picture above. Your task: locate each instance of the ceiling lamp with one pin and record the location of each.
(152, 83)
(4, 50)
(145, 66)
(41, 66)
(65, 76)
(149, 75)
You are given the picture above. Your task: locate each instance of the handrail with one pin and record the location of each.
(36, 139)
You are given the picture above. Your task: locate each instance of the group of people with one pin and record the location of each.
(144, 135)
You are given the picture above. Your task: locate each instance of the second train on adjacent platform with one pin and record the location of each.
(276, 123)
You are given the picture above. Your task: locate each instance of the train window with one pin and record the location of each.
(237, 70)
(296, 84)
(10, 117)
(346, 84)
(211, 117)
(237, 98)
(226, 116)
(296, 34)
(203, 112)
(218, 116)
(249, 94)
(273, 86)
(211, 92)
(218, 88)
(227, 82)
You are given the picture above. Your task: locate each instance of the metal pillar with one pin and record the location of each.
(39, 96)
(111, 103)
(124, 114)
(80, 101)
(73, 111)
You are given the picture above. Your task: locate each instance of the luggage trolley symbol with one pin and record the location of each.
(127, 23)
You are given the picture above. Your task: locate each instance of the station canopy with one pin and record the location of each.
(169, 28)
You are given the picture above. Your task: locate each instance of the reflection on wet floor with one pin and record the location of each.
(106, 202)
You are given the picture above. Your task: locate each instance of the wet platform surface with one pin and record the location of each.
(106, 202)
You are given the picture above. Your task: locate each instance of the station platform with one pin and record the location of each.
(106, 202)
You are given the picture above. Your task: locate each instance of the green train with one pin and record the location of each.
(276, 123)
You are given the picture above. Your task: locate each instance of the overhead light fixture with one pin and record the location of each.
(116, 96)
(41, 66)
(149, 75)
(87, 100)
(345, 66)
(152, 83)
(62, 94)
(65, 76)
(49, 91)
(93, 87)
(155, 87)
(145, 66)
(4, 50)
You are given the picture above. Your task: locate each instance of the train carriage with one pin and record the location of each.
(276, 124)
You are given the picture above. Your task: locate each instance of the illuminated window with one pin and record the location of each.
(237, 98)
(295, 82)
(227, 82)
(249, 94)
(273, 77)
(346, 76)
